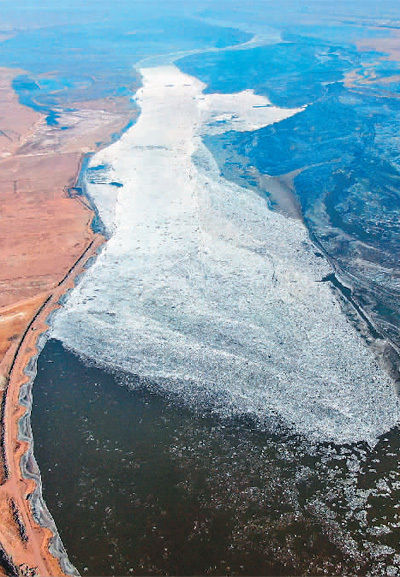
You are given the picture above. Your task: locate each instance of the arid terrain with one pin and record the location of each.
(46, 239)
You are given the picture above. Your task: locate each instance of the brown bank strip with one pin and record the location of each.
(46, 239)
(22, 535)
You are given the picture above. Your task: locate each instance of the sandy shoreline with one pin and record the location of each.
(46, 239)
(17, 487)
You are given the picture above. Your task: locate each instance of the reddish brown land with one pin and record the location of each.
(45, 239)
(389, 45)
(387, 48)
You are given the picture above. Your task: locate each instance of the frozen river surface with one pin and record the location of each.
(206, 292)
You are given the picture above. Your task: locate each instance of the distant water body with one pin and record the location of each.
(206, 294)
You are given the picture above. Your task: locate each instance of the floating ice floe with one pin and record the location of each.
(205, 291)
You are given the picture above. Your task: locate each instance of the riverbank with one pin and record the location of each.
(21, 532)
(46, 239)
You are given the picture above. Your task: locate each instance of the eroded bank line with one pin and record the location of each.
(27, 533)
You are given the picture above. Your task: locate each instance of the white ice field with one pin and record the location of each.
(204, 290)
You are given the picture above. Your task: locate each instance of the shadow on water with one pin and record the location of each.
(139, 484)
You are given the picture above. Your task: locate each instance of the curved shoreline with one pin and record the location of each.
(48, 236)
(42, 550)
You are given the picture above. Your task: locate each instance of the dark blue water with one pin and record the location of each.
(344, 147)
(78, 62)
